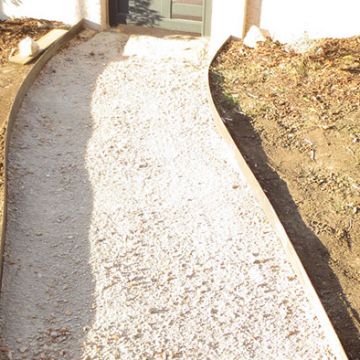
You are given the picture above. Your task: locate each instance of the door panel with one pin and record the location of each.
(118, 11)
(144, 12)
(182, 15)
(187, 11)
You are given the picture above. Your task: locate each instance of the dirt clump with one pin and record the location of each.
(296, 119)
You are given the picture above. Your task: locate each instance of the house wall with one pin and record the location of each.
(227, 19)
(67, 11)
(288, 20)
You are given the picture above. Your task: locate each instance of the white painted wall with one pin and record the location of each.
(288, 20)
(227, 19)
(67, 11)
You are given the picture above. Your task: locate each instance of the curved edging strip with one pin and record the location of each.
(23, 88)
(271, 215)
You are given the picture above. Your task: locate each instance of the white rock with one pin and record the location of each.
(28, 47)
(54, 334)
(23, 349)
(255, 35)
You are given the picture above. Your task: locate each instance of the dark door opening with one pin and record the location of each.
(118, 12)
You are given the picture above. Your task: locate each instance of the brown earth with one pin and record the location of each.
(295, 118)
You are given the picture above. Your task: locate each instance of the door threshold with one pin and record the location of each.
(150, 31)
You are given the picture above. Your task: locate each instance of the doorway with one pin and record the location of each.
(181, 15)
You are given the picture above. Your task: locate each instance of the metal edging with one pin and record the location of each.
(292, 256)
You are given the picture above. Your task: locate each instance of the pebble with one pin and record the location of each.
(23, 349)
(68, 312)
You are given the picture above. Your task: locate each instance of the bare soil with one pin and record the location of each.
(295, 118)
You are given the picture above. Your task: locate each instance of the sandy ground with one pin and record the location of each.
(131, 233)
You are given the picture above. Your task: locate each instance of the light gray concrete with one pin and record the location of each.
(131, 233)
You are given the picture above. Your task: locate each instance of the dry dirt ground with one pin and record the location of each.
(131, 232)
(296, 119)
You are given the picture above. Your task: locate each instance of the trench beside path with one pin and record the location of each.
(131, 233)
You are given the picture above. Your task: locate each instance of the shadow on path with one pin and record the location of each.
(46, 302)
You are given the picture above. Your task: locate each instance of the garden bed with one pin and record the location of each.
(295, 118)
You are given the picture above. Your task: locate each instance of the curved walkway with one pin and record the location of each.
(131, 233)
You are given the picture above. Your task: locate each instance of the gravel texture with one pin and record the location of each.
(131, 233)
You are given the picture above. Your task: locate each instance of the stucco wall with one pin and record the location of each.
(287, 20)
(67, 11)
(227, 19)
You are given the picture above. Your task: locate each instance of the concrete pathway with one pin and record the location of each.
(131, 233)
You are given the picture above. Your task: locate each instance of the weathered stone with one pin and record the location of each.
(28, 47)
(255, 35)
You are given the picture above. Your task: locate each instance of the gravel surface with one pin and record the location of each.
(131, 233)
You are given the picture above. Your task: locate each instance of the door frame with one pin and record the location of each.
(207, 17)
(206, 23)
(105, 22)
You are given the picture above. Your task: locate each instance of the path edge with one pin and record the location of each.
(291, 254)
(15, 107)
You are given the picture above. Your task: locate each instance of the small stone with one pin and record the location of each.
(254, 36)
(23, 349)
(28, 47)
(190, 273)
(68, 312)
(156, 311)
